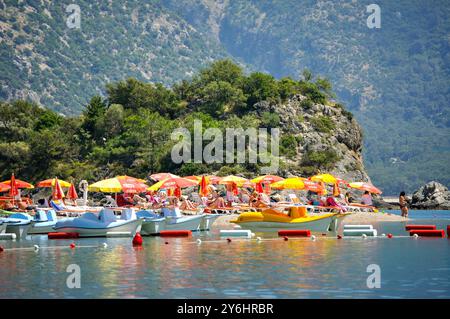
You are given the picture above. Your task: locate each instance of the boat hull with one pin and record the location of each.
(318, 225)
(2, 228)
(131, 227)
(21, 230)
(208, 220)
(183, 223)
(153, 226)
(41, 228)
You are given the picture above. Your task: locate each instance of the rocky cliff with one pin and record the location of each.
(325, 138)
(433, 195)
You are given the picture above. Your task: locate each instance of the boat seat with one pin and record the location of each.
(90, 216)
(51, 215)
(128, 214)
(146, 214)
(21, 216)
(40, 216)
(171, 212)
(107, 215)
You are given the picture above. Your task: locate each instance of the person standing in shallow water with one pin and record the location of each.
(403, 204)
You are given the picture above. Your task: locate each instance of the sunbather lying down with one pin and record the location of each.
(186, 204)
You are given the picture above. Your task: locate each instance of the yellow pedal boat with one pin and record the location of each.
(294, 217)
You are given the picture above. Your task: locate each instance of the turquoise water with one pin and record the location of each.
(272, 268)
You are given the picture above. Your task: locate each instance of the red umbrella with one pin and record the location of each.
(365, 187)
(57, 192)
(72, 193)
(204, 187)
(177, 192)
(19, 183)
(259, 188)
(13, 191)
(177, 182)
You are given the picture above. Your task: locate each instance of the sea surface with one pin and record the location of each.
(271, 268)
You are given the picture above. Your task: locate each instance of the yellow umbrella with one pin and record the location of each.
(239, 181)
(119, 184)
(324, 178)
(267, 179)
(289, 183)
(51, 183)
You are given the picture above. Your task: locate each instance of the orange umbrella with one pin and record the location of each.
(204, 187)
(14, 190)
(173, 182)
(4, 187)
(57, 192)
(72, 193)
(336, 191)
(161, 176)
(365, 187)
(19, 184)
(193, 178)
(267, 179)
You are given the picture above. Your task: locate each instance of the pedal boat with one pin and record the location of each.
(208, 220)
(18, 224)
(152, 223)
(2, 227)
(102, 224)
(294, 217)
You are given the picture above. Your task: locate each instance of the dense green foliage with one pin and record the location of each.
(129, 131)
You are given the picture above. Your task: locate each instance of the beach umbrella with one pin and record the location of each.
(19, 184)
(324, 178)
(72, 193)
(177, 192)
(365, 187)
(13, 190)
(125, 184)
(193, 178)
(289, 183)
(267, 179)
(57, 192)
(336, 191)
(172, 183)
(239, 181)
(51, 183)
(259, 188)
(213, 179)
(162, 176)
(4, 187)
(204, 190)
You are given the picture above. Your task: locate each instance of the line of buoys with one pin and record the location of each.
(175, 233)
(236, 233)
(423, 227)
(427, 233)
(9, 236)
(62, 235)
(294, 233)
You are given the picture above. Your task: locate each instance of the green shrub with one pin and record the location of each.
(320, 159)
(323, 123)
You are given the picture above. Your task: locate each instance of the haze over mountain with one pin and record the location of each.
(394, 79)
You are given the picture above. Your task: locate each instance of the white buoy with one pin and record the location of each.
(258, 239)
(199, 241)
(105, 245)
(383, 235)
(313, 237)
(36, 247)
(253, 234)
(416, 236)
(364, 236)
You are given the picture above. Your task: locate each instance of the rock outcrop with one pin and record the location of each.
(327, 138)
(433, 195)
